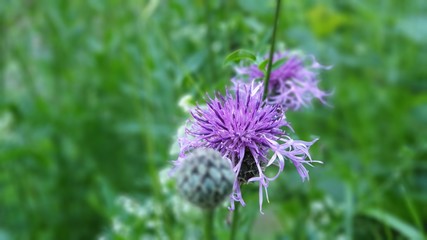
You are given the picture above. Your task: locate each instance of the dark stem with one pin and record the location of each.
(209, 224)
(234, 223)
(270, 58)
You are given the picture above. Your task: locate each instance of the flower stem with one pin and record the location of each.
(209, 224)
(270, 58)
(234, 223)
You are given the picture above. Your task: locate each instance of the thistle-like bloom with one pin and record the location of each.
(292, 84)
(242, 127)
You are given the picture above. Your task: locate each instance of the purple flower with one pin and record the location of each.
(248, 132)
(292, 84)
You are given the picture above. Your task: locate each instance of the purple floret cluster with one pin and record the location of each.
(251, 130)
(293, 84)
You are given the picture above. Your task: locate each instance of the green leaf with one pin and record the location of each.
(239, 55)
(263, 65)
(278, 63)
(394, 222)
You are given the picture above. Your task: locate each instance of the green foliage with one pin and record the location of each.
(88, 112)
(405, 229)
(240, 55)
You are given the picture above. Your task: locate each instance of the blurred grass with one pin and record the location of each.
(88, 110)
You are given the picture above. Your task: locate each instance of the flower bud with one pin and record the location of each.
(205, 178)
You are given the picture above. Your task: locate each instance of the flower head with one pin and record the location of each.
(205, 178)
(247, 131)
(292, 84)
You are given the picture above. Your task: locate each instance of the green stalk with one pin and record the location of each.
(209, 224)
(234, 223)
(270, 58)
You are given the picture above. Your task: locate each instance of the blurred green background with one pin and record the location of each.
(88, 113)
